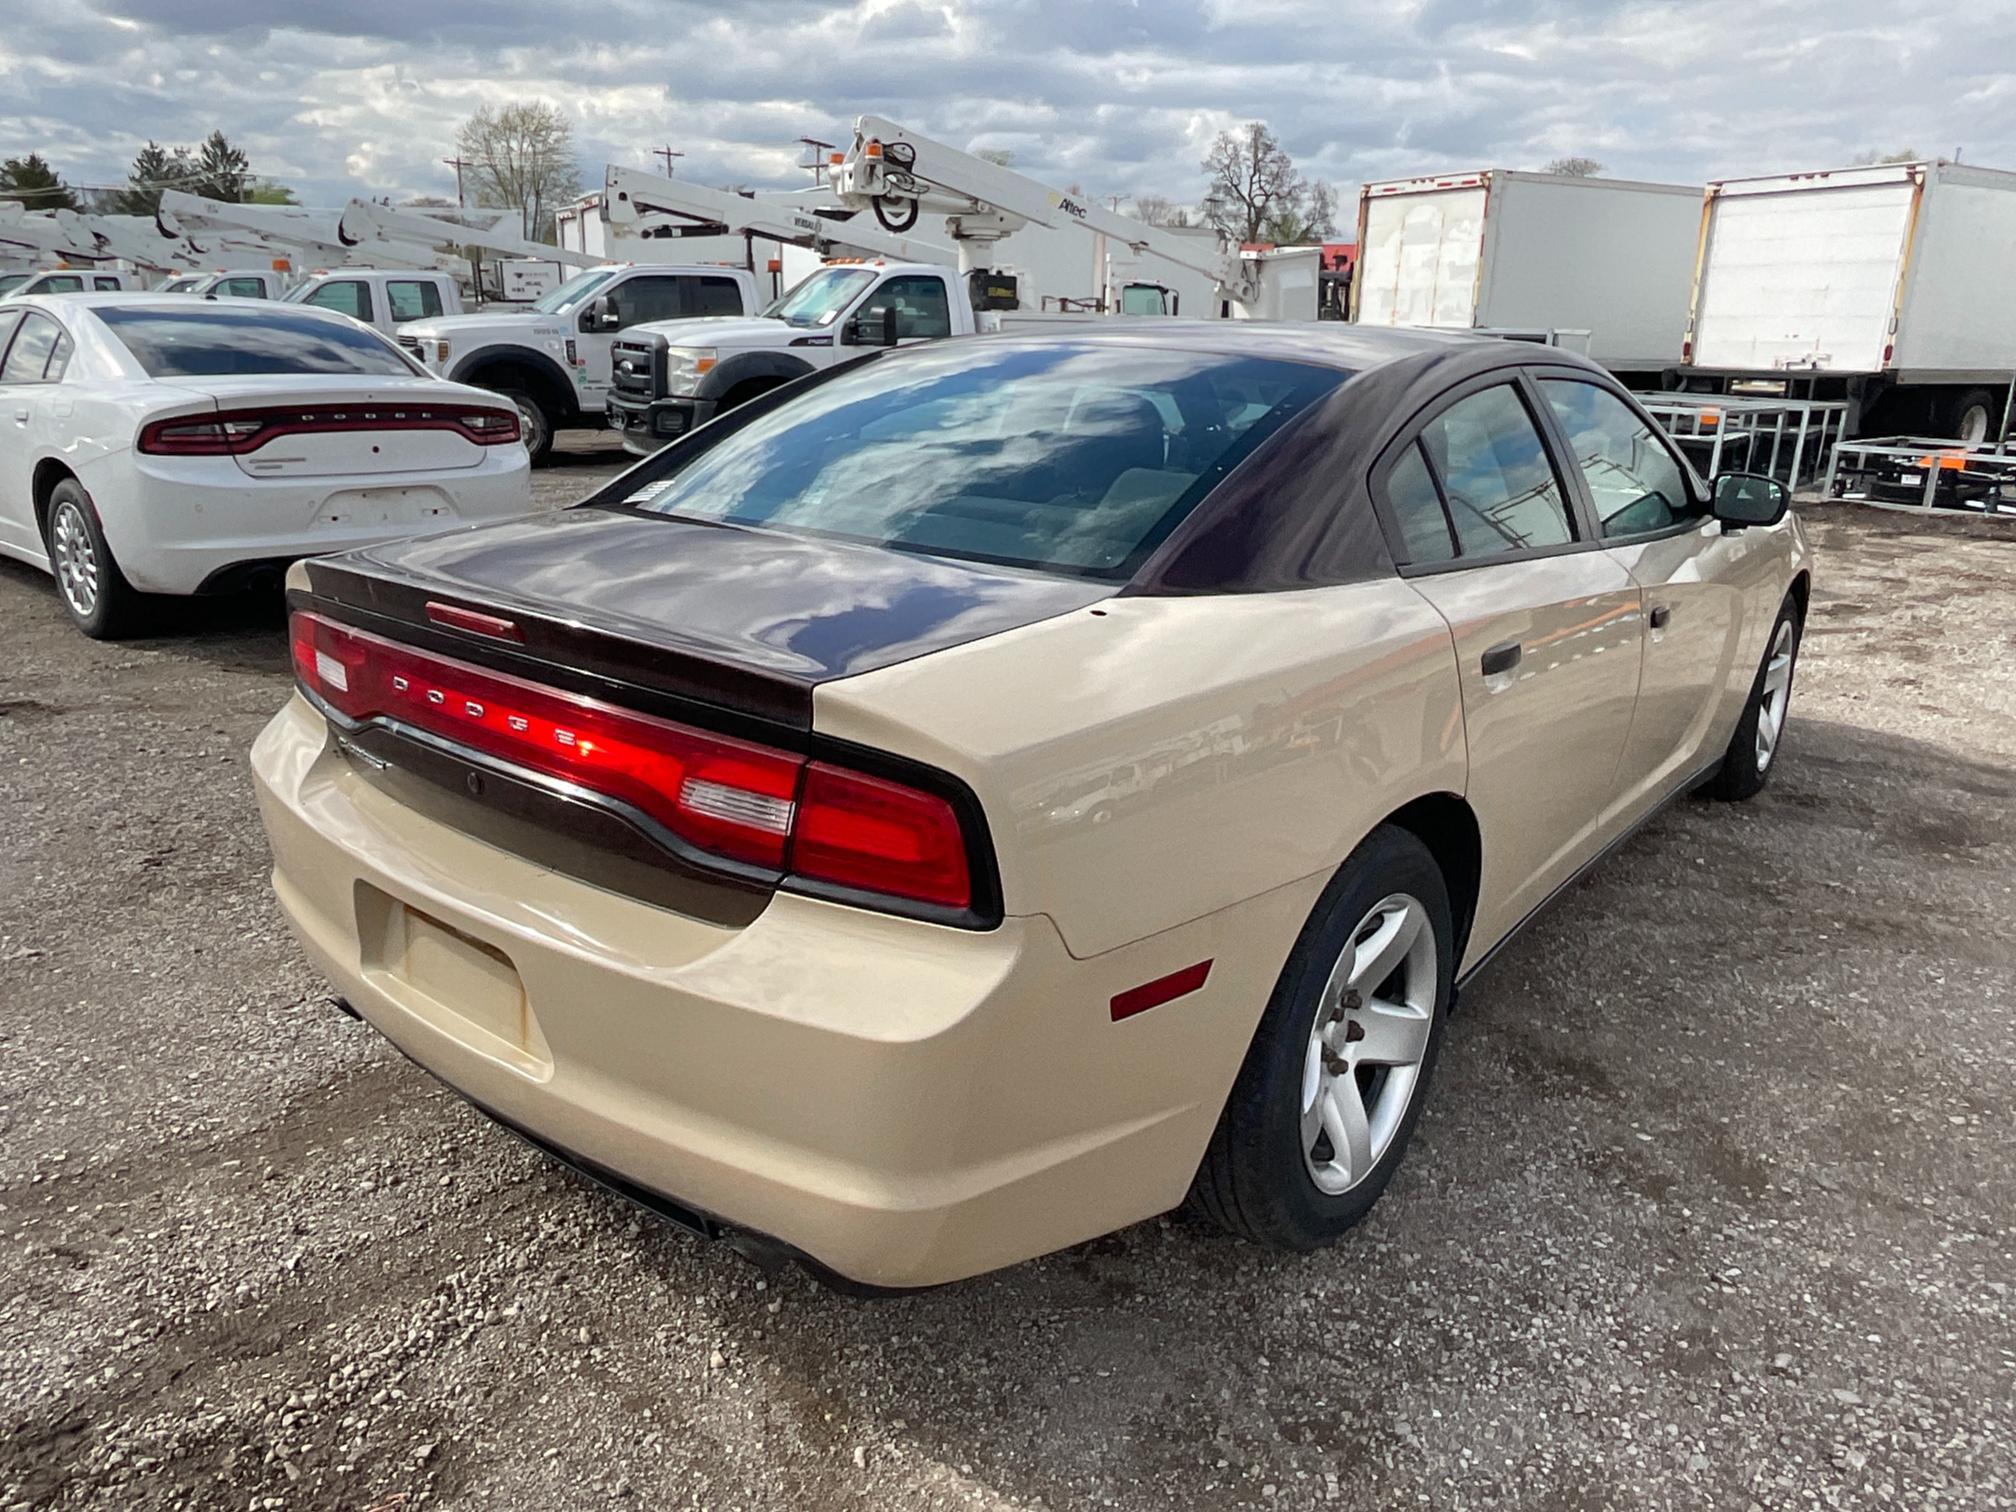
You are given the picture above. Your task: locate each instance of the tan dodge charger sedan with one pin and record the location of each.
(977, 796)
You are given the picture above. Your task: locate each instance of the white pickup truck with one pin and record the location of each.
(673, 375)
(69, 281)
(384, 298)
(231, 283)
(553, 359)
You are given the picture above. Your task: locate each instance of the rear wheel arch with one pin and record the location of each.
(42, 483)
(1447, 825)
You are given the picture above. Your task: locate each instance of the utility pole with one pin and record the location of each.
(668, 154)
(458, 163)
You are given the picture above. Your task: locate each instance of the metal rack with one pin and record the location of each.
(1787, 438)
(1924, 472)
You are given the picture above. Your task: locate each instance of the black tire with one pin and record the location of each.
(89, 585)
(535, 420)
(1745, 770)
(1978, 411)
(1256, 1180)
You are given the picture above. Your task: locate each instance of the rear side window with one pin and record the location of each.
(59, 359)
(1633, 479)
(919, 303)
(345, 296)
(1073, 459)
(217, 341)
(412, 299)
(33, 345)
(1417, 506)
(104, 283)
(63, 284)
(715, 296)
(1500, 489)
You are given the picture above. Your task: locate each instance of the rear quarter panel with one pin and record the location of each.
(1150, 761)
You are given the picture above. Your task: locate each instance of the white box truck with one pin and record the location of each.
(1532, 254)
(1885, 286)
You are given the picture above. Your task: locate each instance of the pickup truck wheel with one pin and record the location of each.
(1974, 417)
(1753, 749)
(533, 421)
(89, 583)
(1334, 1080)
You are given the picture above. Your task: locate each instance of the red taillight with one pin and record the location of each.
(863, 832)
(730, 798)
(229, 433)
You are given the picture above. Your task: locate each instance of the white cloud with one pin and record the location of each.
(1120, 96)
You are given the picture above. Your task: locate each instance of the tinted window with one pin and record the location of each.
(179, 285)
(1074, 459)
(715, 296)
(61, 284)
(59, 359)
(1634, 481)
(411, 299)
(33, 345)
(104, 283)
(217, 341)
(345, 296)
(642, 299)
(1417, 506)
(242, 288)
(1500, 488)
(920, 307)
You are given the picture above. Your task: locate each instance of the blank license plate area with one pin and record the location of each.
(385, 506)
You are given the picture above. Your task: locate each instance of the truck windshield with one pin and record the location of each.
(1069, 458)
(819, 300)
(220, 341)
(572, 292)
(11, 281)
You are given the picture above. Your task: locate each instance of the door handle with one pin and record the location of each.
(1501, 658)
(1660, 614)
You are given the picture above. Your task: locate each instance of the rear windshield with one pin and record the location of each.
(1075, 459)
(216, 341)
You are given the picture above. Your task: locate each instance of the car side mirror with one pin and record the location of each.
(873, 328)
(1742, 499)
(603, 314)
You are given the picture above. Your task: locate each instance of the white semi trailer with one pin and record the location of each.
(1532, 254)
(1885, 286)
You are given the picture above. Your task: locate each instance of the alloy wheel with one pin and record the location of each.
(1367, 1044)
(532, 422)
(1775, 696)
(76, 559)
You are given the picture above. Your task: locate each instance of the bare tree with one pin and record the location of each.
(1250, 177)
(1309, 219)
(1873, 158)
(1000, 157)
(521, 157)
(1574, 167)
(1160, 210)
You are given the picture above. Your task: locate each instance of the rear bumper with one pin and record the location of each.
(905, 1104)
(177, 524)
(647, 425)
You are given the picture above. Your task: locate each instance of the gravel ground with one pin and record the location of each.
(1711, 1206)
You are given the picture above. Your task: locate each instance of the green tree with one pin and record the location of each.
(222, 170)
(154, 167)
(266, 191)
(34, 183)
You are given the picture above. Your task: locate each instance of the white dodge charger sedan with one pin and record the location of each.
(155, 445)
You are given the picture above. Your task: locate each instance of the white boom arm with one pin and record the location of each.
(363, 223)
(633, 196)
(899, 173)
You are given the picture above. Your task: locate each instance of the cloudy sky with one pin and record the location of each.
(1119, 96)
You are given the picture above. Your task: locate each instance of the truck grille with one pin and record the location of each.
(635, 366)
(412, 346)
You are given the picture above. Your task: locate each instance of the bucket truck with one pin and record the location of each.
(672, 377)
